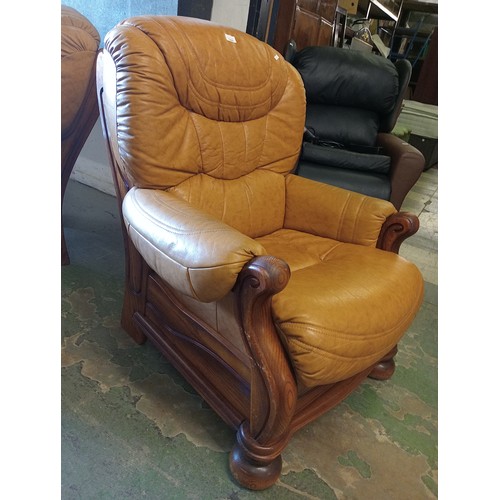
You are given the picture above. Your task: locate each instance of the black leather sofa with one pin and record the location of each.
(353, 102)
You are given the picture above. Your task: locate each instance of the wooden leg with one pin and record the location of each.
(254, 466)
(385, 368)
(64, 250)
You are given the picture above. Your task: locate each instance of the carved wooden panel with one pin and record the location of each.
(313, 22)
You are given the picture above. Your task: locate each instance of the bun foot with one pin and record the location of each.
(385, 368)
(254, 467)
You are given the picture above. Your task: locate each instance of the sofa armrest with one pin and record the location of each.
(197, 254)
(407, 164)
(333, 212)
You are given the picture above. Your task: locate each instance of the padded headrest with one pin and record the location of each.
(192, 97)
(78, 34)
(248, 87)
(351, 78)
(79, 45)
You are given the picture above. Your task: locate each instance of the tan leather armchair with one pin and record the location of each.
(79, 110)
(274, 295)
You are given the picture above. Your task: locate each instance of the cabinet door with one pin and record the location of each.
(313, 22)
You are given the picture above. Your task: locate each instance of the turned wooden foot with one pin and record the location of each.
(254, 466)
(384, 369)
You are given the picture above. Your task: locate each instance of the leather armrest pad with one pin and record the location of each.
(333, 212)
(407, 164)
(197, 254)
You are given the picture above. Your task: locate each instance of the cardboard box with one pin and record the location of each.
(357, 44)
(351, 6)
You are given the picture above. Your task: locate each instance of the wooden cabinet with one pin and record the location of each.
(314, 22)
(309, 22)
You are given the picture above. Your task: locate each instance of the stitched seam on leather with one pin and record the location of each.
(356, 219)
(187, 268)
(348, 335)
(175, 230)
(332, 355)
(193, 291)
(191, 117)
(219, 85)
(327, 254)
(227, 87)
(342, 215)
(270, 164)
(263, 142)
(155, 248)
(223, 149)
(212, 102)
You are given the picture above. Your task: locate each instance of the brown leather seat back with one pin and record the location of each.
(217, 117)
(79, 44)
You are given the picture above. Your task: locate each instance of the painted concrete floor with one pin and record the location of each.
(132, 428)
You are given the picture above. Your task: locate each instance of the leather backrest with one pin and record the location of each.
(351, 78)
(404, 69)
(363, 87)
(79, 44)
(207, 112)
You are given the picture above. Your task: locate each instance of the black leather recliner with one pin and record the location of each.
(353, 102)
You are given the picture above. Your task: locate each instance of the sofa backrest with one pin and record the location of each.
(351, 94)
(207, 112)
(79, 44)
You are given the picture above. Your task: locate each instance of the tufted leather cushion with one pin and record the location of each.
(79, 44)
(328, 335)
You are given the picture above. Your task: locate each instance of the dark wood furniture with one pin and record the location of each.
(309, 22)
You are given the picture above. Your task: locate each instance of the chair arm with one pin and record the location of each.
(333, 212)
(197, 254)
(407, 164)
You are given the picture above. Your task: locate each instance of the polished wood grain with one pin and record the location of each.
(396, 229)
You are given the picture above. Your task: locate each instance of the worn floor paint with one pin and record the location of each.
(133, 428)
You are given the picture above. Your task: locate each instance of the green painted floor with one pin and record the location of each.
(131, 427)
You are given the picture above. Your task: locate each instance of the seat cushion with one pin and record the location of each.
(347, 126)
(372, 298)
(343, 158)
(368, 183)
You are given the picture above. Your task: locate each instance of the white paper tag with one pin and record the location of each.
(230, 38)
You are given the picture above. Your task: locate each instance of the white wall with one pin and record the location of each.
(92, 166)
(232, 13)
